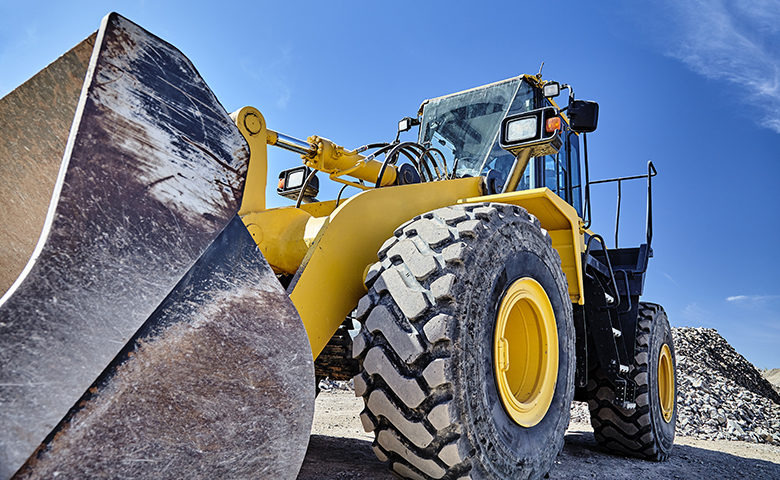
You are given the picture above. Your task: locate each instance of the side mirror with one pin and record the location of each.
(583, 116)
(537, 130)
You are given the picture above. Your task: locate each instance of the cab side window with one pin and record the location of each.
(499, 159)
(561, 172)
(573, 142)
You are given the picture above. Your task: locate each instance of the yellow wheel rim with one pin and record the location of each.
(666, 382)
(525, 352)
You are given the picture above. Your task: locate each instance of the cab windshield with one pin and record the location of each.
(465, 126)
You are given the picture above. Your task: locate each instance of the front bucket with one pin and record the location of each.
(140, 337)
(34, 123)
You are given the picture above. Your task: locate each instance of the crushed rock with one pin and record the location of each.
(773, 376)
(328, 384)
(579, 412)
(721, 395)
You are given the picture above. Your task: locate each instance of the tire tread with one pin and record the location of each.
(420, 263)
(628, 431)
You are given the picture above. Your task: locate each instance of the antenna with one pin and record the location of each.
(539, 75)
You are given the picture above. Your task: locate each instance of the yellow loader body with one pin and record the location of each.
(328, 247)
(330, 252)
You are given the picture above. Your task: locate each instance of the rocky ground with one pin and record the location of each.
(728, 425)
(340, 449)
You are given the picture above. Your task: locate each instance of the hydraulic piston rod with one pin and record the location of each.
(291, 144)
(324, 155)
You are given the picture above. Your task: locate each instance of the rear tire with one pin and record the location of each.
(426, 345)
(647, 431)
(335, 361)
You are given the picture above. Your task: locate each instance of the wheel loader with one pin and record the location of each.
(159, 321)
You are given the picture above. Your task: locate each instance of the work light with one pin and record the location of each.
(291, 182)
(295, 179)
(537, 130)
(521, 129)
(551, 89)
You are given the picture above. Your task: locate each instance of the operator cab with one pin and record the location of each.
(465, 127)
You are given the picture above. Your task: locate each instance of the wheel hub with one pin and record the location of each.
(666, 382)
(525, 352)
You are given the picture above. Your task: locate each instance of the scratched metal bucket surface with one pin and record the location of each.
(151, 176)
(34, 123)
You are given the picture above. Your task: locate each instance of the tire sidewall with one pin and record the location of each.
(660, 335)
(509, 443)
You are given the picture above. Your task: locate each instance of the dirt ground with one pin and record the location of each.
(340, 449)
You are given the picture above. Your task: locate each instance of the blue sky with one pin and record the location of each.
(693, 86)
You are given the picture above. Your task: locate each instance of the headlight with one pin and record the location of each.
(291, 182)
(537, 130)
(295, 179)
(521, 129)
(551, 89)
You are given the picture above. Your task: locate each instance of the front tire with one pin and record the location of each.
(426, 346)
(648, 430)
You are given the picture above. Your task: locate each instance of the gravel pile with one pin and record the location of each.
(326, 384)
(579, 412)
(773, 376)
(707, 348)
(720, 394)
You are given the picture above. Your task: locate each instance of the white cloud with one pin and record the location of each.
(751, 298)
(670, 278)
(735, 42)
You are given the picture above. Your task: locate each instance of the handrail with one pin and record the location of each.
(651, 172)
